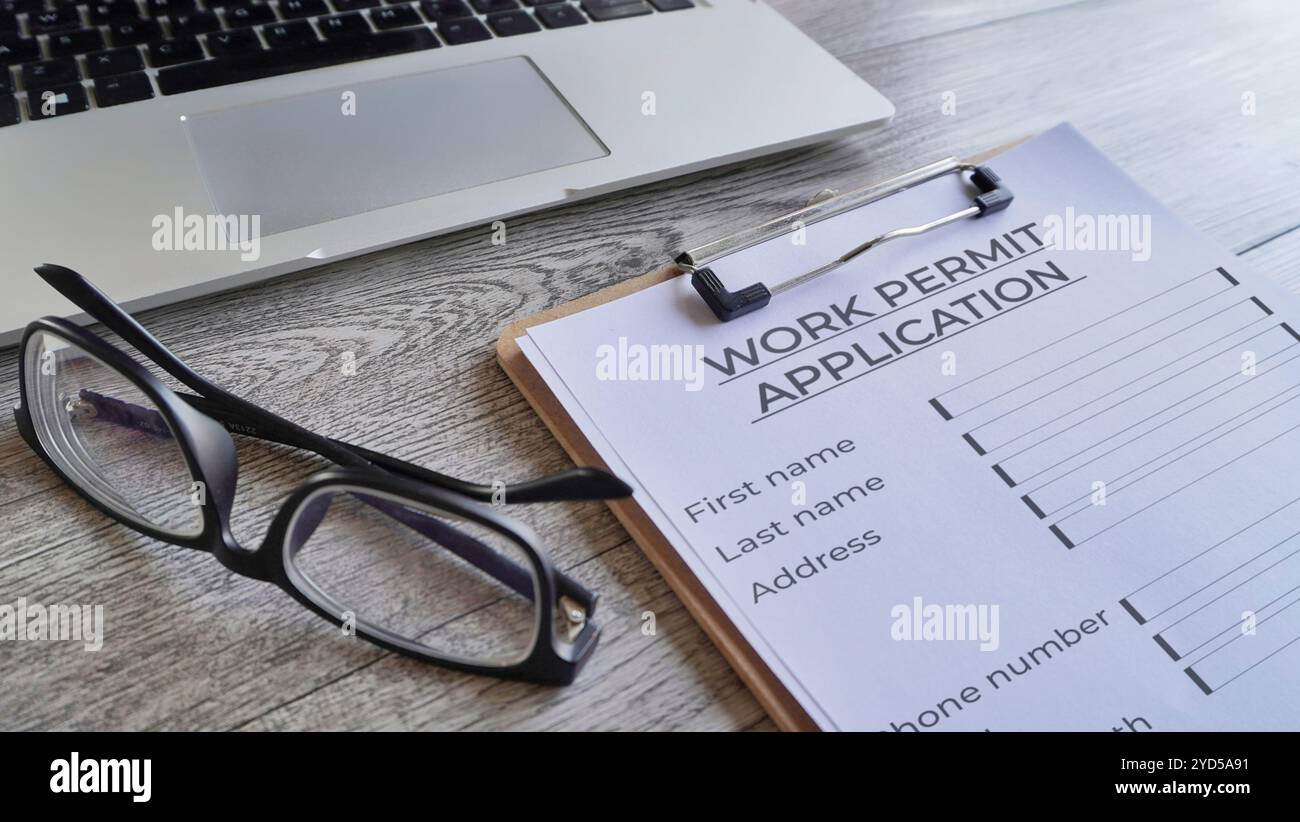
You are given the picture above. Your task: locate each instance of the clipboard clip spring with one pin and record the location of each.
(727, 305)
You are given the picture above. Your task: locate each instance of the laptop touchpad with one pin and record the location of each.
(303, 160)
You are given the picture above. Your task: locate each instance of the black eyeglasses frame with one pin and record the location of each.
(202, 423)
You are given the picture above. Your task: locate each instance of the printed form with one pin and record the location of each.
(1035, 470)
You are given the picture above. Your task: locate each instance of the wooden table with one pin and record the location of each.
(1162, 85)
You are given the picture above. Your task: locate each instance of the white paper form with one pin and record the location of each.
(995, 477)
(699, 567)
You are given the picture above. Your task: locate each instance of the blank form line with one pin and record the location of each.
(1200, 683)
(1095, 350)
(1237, 624)
(1108, 408)
(1218, 544)
(1256, 665)
(1151, 431)
(1103, 440)
(1270, 549)
(1112, 492)
(1080, 331)
(1193, 482)
(1143, 350)
(921, 348)
(1278, 612)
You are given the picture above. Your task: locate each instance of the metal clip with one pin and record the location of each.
(727, 305)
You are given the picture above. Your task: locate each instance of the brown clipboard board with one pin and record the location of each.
(775, 698)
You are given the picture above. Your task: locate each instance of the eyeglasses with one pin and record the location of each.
(408, 558)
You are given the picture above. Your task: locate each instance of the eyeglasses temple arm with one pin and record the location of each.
(573, 485)
(243, 417)
(99, 306)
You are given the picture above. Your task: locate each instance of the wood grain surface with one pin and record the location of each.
(1158, 84)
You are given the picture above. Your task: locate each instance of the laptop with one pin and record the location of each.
(170, 148)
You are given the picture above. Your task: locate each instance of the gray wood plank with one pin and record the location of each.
(1164, 99)
(190, 645)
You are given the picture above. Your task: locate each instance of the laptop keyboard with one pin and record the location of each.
(61, 57)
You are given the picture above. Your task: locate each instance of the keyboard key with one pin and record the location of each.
(56, 101)
(6, 81)
(123, 88)
(490, 6)
(134, 32)
(171, 52)
(241, 16)
(48, 73)
(559, 15)
(75, 42)
(672, 5)
(47, 21)
(437, 10)
(112, 11)
(394, 17)
(291, 9)
(10, 9)
(18, 49)
(353, 5)
(463, 30)
(237, 41)
(194, 22)
(614, 9)
(510, 23)
(16, 7)
(9, 110)
(268, 63)
(113, 61)
(343, 25)
(170, 8)
(295, 33)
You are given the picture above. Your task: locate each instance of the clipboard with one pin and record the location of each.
(779, 703)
